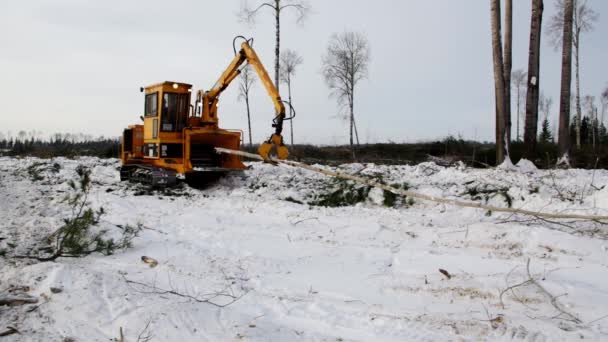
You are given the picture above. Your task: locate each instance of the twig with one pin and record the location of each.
(145, 335)
(494, 322)
(306, 219)
(596, 320)
(553, 299)
(152, 289)
(510, 288)
(569, 225)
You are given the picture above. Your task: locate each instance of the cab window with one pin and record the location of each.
(174, 112)
(151, 105)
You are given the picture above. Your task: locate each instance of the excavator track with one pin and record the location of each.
(202, 180)
(149, 175)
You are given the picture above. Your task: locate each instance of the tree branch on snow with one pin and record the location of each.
(562, 313)
(212, 298)
(146, 334)
(582, 227)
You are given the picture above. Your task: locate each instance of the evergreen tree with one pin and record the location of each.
(545, 136)
(602, 134)
(586, 131)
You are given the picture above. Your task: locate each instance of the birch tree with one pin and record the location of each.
(589, 106)
(519, 78)
(545, 104)
(277, 7)
(289, 62)
(246, 83)
(344, 65)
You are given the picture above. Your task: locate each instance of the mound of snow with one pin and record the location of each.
(507, 164)
(524, 165)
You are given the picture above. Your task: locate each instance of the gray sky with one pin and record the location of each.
(76, 66)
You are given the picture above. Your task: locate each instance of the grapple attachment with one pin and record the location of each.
(274, 144)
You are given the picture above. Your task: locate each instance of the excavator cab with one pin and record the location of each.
(166, 112)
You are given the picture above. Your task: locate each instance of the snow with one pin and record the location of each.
(507, 164)
(363, 272)
(524, 165)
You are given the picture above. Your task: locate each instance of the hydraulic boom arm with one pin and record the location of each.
(210, 99)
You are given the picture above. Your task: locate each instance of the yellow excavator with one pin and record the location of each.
(178, 139)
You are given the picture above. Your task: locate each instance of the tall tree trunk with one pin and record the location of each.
(277, 47)
(352, 126)
(499, 81)
(593, 125)
(356, 131)
(566, 84)
(531, 125)
(352, 122)
(248, 119)
(290, 121)
(508, 67)
(579, 116)
(518, 109)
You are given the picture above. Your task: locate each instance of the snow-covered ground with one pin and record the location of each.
(299, 272)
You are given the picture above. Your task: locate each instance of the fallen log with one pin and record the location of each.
(18, 300)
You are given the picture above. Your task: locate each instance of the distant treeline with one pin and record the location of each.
(60, 145)
(447, 151)
(593, 153)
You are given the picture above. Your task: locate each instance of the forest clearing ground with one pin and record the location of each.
(304, 272)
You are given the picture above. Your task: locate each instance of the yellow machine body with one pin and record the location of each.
(172, 138)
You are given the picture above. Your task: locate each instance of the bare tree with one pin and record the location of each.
(499, 83)
(289, 62)
(519, 78)
(508, 51)
(247, 82)
(345, 63)
(583, 17)
(531, 125)
(545, 104)
(590, 108)
(566, 80)
(248, 14)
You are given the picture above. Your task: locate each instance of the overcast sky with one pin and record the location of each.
(76, 66)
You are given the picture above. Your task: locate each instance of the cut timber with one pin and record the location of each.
(375, 183)
(8, 331)
(18, 300)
